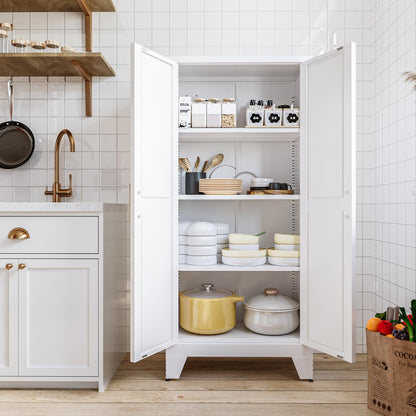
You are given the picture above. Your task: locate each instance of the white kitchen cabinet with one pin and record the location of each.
(8, 318)
(61, 291)
(317, 159)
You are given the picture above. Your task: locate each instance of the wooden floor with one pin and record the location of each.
(210, 387)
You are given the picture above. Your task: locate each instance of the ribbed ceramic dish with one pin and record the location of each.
(201, 229)
(209, 240)
(202, 250)
(182, 239)
(201, 260)
(248, 261)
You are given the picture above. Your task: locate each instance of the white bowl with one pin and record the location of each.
(182, 226)
(247, 261)
(283, 253)
(222, 238)
(290, 247)
(209, 240)
(201, 260)
(220, 247)
(182, 249)
(284, 261)
(183, 239)
(202, 250)
(182, 258)
(201, 228)
(222, 228)
(244, 247)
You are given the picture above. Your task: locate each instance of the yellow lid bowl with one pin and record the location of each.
(283, 253)
(286, 239)
(226, 252)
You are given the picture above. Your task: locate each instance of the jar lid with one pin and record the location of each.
(20, 43)
(229, 100)
(4, 34)
(214, 100)
(6, 26)
(271, 301)
(199, 100)
(53, 44)
(67, 49)
(37, 45)
(207, 291)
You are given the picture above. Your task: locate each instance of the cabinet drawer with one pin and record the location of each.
(50, 235)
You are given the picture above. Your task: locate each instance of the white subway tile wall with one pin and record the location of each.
(100, 165)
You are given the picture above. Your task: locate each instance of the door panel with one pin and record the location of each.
(328, 202)
(58, 318)
(8, 318)
(154, 272)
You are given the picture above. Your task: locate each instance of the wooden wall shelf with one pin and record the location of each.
(85, 64)
(56, 6)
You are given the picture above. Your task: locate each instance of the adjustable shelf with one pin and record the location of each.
(84, 64)
(238, 197)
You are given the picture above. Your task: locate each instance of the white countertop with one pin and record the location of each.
(10, 207)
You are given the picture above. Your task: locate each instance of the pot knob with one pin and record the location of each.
(207, 287)
(270, 291)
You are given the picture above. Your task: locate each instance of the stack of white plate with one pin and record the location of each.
(286, 250)
(183, 225)
(244, 250)
(223, 230)
(220, 186)
(202, 244)
(261, 182)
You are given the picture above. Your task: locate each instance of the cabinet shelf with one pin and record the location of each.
(240, 334)
(284, 134)
(84, 64)
(56, 6)
(238, 197)
(226, 268)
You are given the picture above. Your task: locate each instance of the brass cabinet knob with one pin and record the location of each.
(9, 266)
(18, 233)
(22, 266)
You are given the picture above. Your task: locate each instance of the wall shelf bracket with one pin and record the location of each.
(88, 23)
(87, 85)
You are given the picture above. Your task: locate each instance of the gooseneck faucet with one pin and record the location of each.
(57, 191)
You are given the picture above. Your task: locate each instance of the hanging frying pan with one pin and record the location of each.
(17, 142)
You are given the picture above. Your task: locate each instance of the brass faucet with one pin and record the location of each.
(57, 191)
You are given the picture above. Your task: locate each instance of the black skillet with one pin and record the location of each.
(17, 142)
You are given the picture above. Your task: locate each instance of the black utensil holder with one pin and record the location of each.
(192, 182)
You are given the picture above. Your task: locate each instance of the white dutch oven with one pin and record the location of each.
(271, 313)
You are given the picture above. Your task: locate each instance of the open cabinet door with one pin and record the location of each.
(327, 160)
(154, 203)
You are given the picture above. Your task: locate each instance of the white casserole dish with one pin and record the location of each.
(244, 261)
(202, 260)
(201, 229)
(202, 250)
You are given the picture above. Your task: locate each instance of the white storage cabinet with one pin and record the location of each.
(318, 159)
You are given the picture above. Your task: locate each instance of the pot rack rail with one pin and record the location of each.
(84, 64)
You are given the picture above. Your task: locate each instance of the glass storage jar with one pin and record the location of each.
(229, 113)
(19, 45)
(9, 28)
(214, 112)
(199, 113)
(52, 46)
(4, 41)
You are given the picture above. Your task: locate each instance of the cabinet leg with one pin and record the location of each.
(304, 366)
(174, 365)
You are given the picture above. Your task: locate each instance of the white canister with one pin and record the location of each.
(229, 113)
(273, 117)
(185, 105)
(291, 117)
(199, 113)
(214, 112)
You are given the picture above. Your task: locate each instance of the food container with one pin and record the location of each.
(286, 239)
(228, 113)
(284, 261)
(208, 240)
(202, 229)
(185, 105)
(244, 247)
(52, 46)
(271, 313)
(273, 116)
(9, 29)
(214, 112)
(243, 261)
(19, 45)
(244, 253)
(37, 47)
(291, 117)
(201, 260)
(295, 247)
(202, 250)
(243, 239)
(4, 41)
(199, 113)
(207, 310)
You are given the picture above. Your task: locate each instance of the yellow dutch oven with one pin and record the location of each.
(207, 310)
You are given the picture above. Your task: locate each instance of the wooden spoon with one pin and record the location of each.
(197, 164)
(216, 160)
(205, 166)
(185, 164)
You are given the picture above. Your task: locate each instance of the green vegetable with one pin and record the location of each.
(259, 234)
(381, 315)
(413, 310)
(409, 325)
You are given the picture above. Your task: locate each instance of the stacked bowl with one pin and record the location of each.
(202, 244)
(223, 230)
(244, 250)
(220, 186)
(286, 250)
(182, 250)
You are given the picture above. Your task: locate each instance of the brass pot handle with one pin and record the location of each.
(9, 266)
(22, 266)
(18, 233)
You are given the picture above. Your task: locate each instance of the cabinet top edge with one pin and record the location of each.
(44, 207)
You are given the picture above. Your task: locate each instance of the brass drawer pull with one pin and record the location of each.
(9, 266)
(18, 234)
(22, 266)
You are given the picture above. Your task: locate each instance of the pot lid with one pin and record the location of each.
(207, 291)
(272, 301)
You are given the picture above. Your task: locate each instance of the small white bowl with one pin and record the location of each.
(290, 247)
(182, 258)
(222, 228)
(202, 250)
(209, 240)
(182, 249)
(201, 229)
(244, 247)
(183, 239)
(284, 261)
(222, 238)
(201, 260)
(182, 226)
(247, 261)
